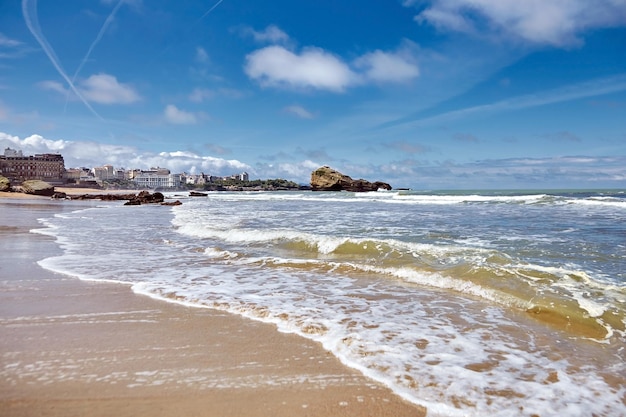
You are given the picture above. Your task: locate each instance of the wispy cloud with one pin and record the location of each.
(563, 136)
(465, 137)
(202, 55)
(271, 34)
(99, 88)
(586, 89)
(409, 147)
(552, 22)
(299, 111)
(200, 95)
(174, 115)
(8, 42)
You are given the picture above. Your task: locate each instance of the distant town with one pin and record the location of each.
(50, 168)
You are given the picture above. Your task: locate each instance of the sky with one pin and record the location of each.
(426, 94)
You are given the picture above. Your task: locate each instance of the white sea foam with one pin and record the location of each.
(434, 338)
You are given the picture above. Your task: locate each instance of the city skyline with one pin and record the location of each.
(424, 94)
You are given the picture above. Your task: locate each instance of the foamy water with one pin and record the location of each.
(466, 304)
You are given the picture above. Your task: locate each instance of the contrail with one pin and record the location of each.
(103, 29)
(193, 25)
(210, 10)
(35, 29)
(590, 88)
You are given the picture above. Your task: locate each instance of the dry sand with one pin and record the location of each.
(76, 348)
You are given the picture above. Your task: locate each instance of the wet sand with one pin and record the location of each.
(76, 348)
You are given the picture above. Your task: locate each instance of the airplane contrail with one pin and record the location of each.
(32, 22)
(103, 29)
(194, 24)
(210, 10)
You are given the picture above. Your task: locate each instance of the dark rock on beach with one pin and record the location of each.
(5, 184)
(172, 203)
(144, 197)
(104, 197)
(328, 179)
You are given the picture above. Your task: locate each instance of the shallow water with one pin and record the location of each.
(466, 303)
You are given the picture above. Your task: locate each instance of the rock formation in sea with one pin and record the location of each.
(328, 179)
(144, 197)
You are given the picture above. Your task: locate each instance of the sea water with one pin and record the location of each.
(467, 303)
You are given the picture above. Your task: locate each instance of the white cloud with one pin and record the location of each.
(100, 88)
(299, 111)
(180, 161)
(91, 154)
(105, 89)
(380, 66)
(33, 143)
(315, 68)
(176, 116)
(552, 22)
(198, 95)
(8, 42)
(271, 34)
(53, 86)
(275, 66)
(202, 55)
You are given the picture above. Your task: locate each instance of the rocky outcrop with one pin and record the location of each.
(38, 187)
(104, 197)
(328, 179)
(5, 184)
(145, 197)
(172, 203)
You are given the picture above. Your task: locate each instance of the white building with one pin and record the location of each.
(153, 180)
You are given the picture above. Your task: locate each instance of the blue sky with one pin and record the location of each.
(428, 94)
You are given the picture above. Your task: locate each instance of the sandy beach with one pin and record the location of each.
(76, 348)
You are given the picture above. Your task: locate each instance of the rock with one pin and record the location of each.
(328, 179)
(104, 197)
(5, 184)
(38, 187)
(58, 195)
(172, 203)
(197, 194)
(145, 197)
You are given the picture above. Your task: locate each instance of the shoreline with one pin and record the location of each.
(72, 347)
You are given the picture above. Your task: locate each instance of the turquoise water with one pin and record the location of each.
(499, 302)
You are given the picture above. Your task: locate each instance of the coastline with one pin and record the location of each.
(70, 191)
(71, 347)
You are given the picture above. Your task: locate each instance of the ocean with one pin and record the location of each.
(473, 303)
